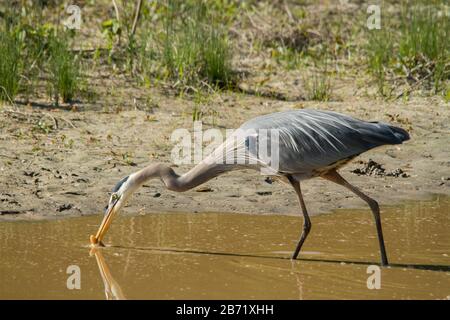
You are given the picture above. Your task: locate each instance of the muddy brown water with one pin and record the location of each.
(221, 256)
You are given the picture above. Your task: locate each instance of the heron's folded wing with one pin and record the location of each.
(311, 139)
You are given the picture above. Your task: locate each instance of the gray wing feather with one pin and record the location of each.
(313, 139)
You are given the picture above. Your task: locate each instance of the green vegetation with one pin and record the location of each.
(379, 54)
(30, 53)
(182, 42)
(415, 49)
(291, 59)
(10, 65)
(63, 69)
(319, 88)
(193, 50)
(424, 46)
(198, 45)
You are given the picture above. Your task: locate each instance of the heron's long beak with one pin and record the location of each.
(104, 226)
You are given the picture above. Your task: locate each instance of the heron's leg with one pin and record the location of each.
(337, 178)
(306, 223)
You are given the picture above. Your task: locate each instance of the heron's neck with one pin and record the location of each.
(198, 175)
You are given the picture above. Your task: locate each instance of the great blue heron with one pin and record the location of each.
(310, 143)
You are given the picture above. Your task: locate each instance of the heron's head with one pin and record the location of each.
(119, 196)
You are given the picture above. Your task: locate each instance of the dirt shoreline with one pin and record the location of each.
(59, 163)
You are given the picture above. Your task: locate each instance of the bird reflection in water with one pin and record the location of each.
(113, 291)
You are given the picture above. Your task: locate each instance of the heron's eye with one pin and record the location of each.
(114, 196)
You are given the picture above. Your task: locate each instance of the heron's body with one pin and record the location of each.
(310, 143)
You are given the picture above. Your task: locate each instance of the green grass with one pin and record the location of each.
(412, 44)
(379, 54)
(424, 43)
(217, 58)
(63, 67)
(33, 55)
(185, 45)
(31, 51)
(423, 33)
(318, 87)
(289, 58)
(192, 50)
(10, 65)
